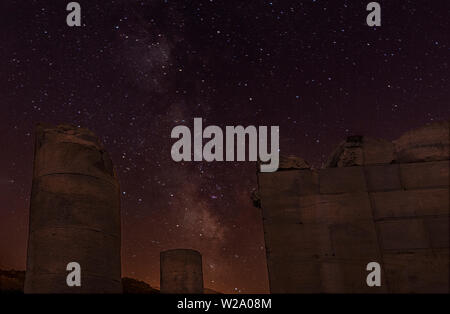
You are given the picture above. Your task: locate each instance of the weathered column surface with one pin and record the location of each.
(74, 214)
(181, 271)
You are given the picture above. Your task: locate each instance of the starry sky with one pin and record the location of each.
(136, 69)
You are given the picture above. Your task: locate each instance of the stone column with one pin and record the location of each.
(181, 271)
(74, 214)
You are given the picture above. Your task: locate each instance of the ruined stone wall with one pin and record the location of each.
(376, 201)
(74, 214)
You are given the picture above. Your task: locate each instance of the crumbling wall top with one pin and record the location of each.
(68, 133)
(428, 143)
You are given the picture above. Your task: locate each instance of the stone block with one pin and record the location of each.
(53, 248)
(297, 240)
(288, 182)
(339, 276)
(404, 234)
(76, 158)
(291, 275)
(412, 203)
(425, 175)
(438, 231)
(280, 191)
(331, 277)
(419, 271)
(382, 177)
(355, 242)
(342, 180)
(280, 208)
(334, 208)
(76, 201)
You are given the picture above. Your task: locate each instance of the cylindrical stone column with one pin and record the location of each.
(181, 271)
(74, 214)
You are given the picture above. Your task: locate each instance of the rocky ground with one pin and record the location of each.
(11, 282)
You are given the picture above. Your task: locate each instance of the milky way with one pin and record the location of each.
(136, 69)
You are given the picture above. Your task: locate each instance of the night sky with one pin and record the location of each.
(136, 69)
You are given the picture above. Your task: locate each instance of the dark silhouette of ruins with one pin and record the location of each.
(75, 217)
(374, 201)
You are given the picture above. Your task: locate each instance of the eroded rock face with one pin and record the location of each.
(361, 150)
(292, 162)
(428, 143)
(74, 214)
